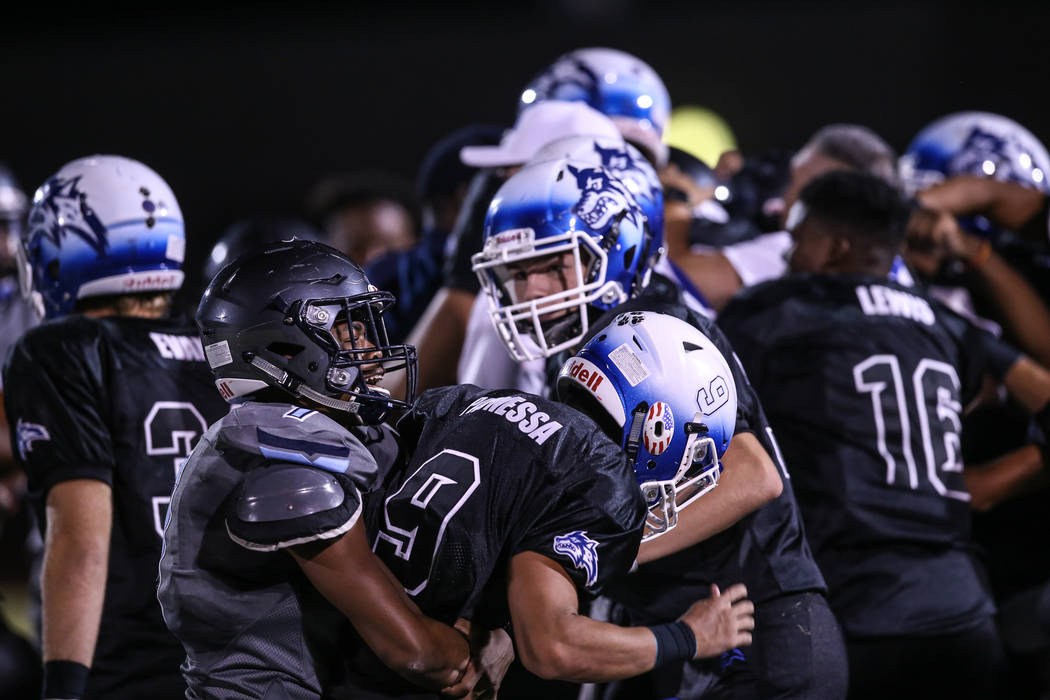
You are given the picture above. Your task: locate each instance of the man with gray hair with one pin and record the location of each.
(720, 273)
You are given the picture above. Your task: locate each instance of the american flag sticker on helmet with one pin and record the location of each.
(659, 428)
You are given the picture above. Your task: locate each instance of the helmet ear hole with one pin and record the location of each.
(52, 270)
(628, 257)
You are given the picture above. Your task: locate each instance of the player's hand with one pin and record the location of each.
(934, 236)
(491, 653)
(721, 622)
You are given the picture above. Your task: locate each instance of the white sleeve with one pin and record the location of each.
(485, 360)
(761, 258)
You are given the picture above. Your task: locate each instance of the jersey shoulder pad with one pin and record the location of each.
(283, 505)
(296, 435)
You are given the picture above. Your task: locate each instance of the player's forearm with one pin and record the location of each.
(749, 480)
(76, 559)
(1008, 204)
(577, 648)
(1022, 311)
(992, 483)
(73, 584)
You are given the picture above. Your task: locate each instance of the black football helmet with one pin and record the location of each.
(272, 318)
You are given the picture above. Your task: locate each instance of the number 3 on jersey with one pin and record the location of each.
(171, 428)
(430, 497)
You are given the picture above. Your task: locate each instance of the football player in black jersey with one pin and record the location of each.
(501, 505)
(105, 400)
(565, 243)
(866, 382)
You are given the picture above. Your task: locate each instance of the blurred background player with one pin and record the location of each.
(565, 243)
(981, 240)
(105, 400)
(414, 275)
(866, 382)
(19, 662)
(365, 214)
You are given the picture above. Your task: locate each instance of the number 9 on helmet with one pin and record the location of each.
(662, 390)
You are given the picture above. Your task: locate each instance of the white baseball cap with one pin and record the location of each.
(536, 127)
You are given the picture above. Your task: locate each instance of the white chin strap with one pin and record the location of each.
(299, 388)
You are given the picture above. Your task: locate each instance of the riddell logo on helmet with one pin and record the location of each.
(513, 238)
(164, 281)
(591, 378)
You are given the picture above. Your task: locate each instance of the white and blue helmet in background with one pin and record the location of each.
(975, 143)
(587, 215)
(662, 390)
(624, 161)
(621, 86)
(100, 226)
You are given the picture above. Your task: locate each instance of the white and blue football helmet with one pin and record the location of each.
(101, 225)
(975, 143)
(663, 391)
(621, 159)
(621, 86)
(562, 207)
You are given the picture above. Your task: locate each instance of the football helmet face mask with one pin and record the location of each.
(625, 162)
(666, 395)
(621, 86)
(301, 317)
(101, 225)
(975, 143)
(569, 219)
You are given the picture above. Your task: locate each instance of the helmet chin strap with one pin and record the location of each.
(299, 388)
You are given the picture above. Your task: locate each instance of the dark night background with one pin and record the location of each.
(243, 107)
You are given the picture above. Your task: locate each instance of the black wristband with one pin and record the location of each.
(675, 643)
(64, 680)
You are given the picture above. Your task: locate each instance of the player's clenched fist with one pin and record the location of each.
(721, 622)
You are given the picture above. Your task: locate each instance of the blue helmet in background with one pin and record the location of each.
(666, 395)
(621, 86)
(975, 143)
(101, 225)
(625, 162)
(573, 216)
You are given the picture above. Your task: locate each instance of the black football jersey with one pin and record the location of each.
(865, 383)
(766, 550)
(492, 474)
(120, 400)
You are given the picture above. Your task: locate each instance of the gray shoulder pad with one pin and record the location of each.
(293, 435)
(283, 505)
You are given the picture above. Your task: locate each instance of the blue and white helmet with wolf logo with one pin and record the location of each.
(101, 225)
(573, 216)
(663, 391)
(621, 86)
(624, 161)
(975, 143)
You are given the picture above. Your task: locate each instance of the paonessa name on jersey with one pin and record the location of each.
(876, 300)
(530, 420)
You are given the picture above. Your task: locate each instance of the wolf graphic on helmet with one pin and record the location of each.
(602, 199)
(62, 210)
